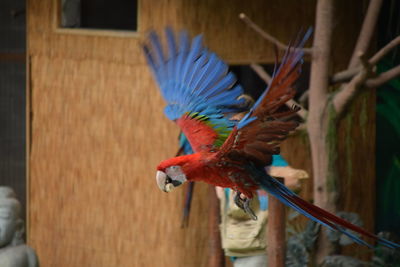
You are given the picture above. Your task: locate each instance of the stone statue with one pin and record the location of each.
(13, 251)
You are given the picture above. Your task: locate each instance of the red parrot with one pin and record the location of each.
(202, 95)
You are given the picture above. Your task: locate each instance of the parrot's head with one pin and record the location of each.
(170, 177)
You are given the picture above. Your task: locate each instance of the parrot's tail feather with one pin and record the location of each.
(319, 215)
(187, 205)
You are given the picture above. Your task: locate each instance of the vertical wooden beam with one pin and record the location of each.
(276, 231)
(321, 121)
(216, 254)
(28, 138)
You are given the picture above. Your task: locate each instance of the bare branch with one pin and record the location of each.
(266, 35)
(344, 97)
(350, 90)
(344, 76)
(267, 79)
(367, 31)
(302, 112)
(347, 75)
(364, 62)
(384, 50)
(361, 76)
(383, 78)
(304, 97)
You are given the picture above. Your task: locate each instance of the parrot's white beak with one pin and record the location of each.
(162, 183)
(171, 179)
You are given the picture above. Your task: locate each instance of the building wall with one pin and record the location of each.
(97, 131)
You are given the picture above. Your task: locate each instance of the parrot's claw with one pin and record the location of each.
(248, 210)
(239, 201)
(244, 204)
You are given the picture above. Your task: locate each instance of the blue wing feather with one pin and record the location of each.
(204, 72)
(216, 72)
(172, 50)
(223, 100)
(182, 55)
(192, 79)
(224, 84)
(197, 66)
(194, 53)
(171, 42)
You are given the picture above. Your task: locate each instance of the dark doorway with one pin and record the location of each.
(99, 14)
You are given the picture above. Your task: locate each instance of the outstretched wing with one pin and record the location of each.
(258, 135)
(197, 86)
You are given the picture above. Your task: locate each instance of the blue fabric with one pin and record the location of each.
(263, 199)
(227, 191)
(279, 161)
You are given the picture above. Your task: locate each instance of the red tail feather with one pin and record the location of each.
(324, 215)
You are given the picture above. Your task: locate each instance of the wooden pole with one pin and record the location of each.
(276, 231)
(321, 121)
(216, 254)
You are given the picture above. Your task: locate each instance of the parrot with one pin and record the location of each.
(202, 96)
(185, 148)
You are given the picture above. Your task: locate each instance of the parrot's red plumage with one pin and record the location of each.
(201, 96)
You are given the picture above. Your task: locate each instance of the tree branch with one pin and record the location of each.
(347, 75)
(344, 76)
(383, 78)
(267, 79)
(358, 76)
(367, 31)
(266, 35)
(304, 97)
(384, 50)
(349, 91)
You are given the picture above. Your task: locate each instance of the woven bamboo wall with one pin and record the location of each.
(97, 132)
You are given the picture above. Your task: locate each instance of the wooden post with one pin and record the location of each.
(216, 254)
(276, 231)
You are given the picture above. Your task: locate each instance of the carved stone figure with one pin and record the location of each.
(13, 251)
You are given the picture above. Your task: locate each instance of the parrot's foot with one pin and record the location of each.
(244, 203)
(248, 210)
(238, 200)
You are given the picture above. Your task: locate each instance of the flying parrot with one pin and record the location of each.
(184, 149)
(201, 96)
